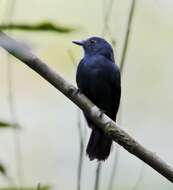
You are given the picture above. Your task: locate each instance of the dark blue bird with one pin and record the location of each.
(98, 77)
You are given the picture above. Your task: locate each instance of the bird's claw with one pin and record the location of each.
(102, 112)
(78, 91)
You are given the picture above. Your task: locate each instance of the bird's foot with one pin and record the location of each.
(78, 91)
(101, 112)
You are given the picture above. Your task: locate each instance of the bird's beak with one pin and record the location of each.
(80, 42)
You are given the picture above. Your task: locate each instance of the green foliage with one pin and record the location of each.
(3, 170)
(42, 26)
(39, 187)
(4, 124)
(27, 188)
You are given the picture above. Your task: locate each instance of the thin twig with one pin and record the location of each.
(98, 173)
(122, 64)
(106, 29)
(136, 186)
(38, 186)
(131, 13)
(72, 59)
(126, 41)
(17, 148)
(114, 168)
(81, 152)
(81, 136)
(107, 14)
(107, 125)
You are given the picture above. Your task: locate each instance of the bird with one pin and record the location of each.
(98, 78)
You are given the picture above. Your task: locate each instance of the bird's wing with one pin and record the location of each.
(99, 79)
(115, 82)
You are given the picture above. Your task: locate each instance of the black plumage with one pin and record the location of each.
(98, 77)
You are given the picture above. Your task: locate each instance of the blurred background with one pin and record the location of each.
(46, 147)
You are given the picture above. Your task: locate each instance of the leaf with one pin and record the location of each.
(42, 26)
(39, 186)
(26, 188)
(4, 124)
(3, 170)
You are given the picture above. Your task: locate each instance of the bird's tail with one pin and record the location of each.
(99, 145)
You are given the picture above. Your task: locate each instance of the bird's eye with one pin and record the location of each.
(92, 41)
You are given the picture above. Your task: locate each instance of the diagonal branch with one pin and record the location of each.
(104, 122)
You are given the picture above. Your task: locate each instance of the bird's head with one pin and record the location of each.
(96, 46)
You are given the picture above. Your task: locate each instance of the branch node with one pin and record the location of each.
(72, 91)
(95, 111)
